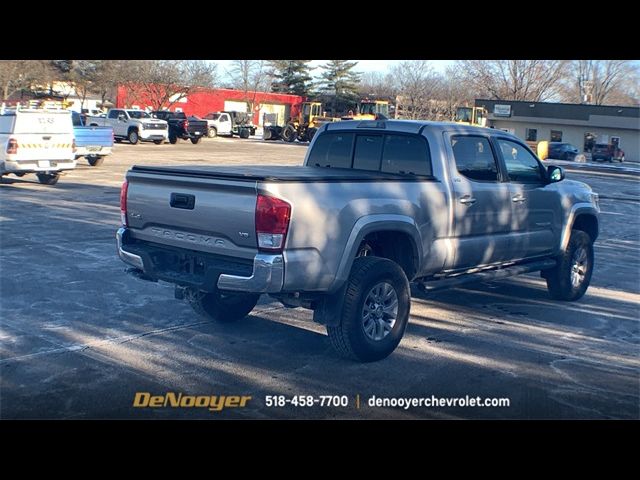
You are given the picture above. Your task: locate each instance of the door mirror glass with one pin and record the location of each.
(555, 174)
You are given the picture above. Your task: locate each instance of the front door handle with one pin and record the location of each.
(518, 198)
(467, 200)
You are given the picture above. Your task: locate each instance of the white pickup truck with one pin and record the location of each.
(133, 125)
(36, 141)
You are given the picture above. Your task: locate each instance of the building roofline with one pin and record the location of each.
(586, 105)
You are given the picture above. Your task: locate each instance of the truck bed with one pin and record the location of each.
(278, 173)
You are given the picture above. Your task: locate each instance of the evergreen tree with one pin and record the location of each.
(290, 76)
(342, 81)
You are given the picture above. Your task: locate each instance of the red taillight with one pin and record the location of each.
(123, 203)
(272, 223)
(12, 146)
(74, 146)
(185, 124)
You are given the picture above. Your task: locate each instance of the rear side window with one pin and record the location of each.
(406, 154)
(474, 158)
(368, 152)
(332, 150)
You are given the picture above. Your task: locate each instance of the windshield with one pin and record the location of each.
(463, 114)
(137, 114)
(367, 108)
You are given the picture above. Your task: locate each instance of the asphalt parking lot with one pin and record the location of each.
(79, 337)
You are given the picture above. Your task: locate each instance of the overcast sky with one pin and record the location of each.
(363, 65)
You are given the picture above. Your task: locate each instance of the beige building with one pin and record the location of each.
(580, 125)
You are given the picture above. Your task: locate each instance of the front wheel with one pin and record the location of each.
(570, 278)
(158, 142)
(195, 140)
(133, 137)
(212, 132)
(48, 178)
(173, 139)
(223, 307)
(375, 312)
(289, 133)
(94, 160)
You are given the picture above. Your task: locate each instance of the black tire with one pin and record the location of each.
(244, 133)
(559, 278)
(48, 178)
(289, 133)
(118, 140)
(173, 139)
(158, 142)
(212, 132)
(95, 161)
(349, 338)
(223, 307)
(133, 137)
(196, 140)
(311, 132)
(267, 134)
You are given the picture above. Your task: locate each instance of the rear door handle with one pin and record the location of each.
(467, 200)
(518, 198)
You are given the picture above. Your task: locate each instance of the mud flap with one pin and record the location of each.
(328, 310)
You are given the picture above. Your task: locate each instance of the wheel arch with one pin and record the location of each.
(382, 227)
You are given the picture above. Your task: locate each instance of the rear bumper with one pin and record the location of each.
(99, 151)
(267, 275)
(30, 166)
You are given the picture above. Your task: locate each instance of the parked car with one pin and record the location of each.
(376, 205)
(230, 124)
(562, 151)
(133, 125)
(37, 141)
(607, 153)
(93, 143)
(180, 126)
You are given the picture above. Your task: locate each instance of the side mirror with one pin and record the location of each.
(555, 174)
(121, 117)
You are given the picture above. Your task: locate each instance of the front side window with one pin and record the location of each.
(474, 158)
(522, 166)
(114, 113)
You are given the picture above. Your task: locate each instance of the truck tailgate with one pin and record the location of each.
(93, 136)
(207, 214)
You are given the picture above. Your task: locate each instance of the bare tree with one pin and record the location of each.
(16, 75)
(600, 82)
(164, 82)
(377, 85)
(528, 80)
(452, 92)
(416, 84)
(250, 76)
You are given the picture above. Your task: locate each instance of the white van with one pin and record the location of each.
(36, 141)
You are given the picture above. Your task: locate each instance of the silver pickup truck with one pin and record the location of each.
(377, 204)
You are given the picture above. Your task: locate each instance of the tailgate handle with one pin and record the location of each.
(47, 137)
(183, 200)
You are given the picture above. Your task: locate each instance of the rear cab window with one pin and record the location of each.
(378, 152)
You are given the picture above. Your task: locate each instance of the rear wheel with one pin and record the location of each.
(48, 178)
(158, 142)
(223, 307)
(212, 132)
(94, 160)
(244, 133)
(570, 278)
(133, 137)
(375, 312)
(173, 139)
(267, 134)
(195, 140)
